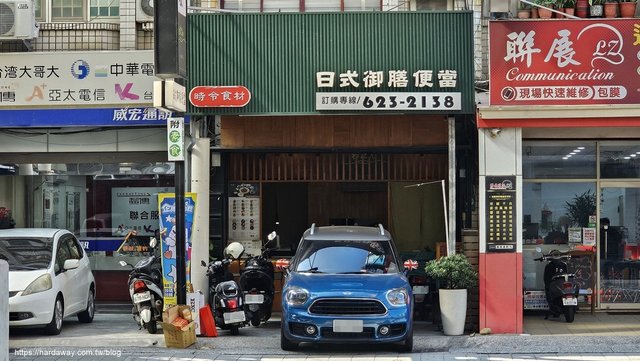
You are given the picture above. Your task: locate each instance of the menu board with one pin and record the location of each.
(501, 213)
(244, 212)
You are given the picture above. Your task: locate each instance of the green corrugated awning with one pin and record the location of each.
(277, 55)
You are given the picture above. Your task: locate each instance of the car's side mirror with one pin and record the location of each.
(71, 264)
(203, 264)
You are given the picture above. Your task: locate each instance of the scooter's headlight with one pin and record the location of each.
(296, 296)
(398, 297)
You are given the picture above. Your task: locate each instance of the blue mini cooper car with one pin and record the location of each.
(346, 284)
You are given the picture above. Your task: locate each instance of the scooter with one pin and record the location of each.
(561, 290)
(225, 296)
(145, 289)
(256, 281)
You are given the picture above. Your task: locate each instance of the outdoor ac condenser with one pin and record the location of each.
(17, 20)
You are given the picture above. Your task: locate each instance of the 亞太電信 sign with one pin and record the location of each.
(564, 62)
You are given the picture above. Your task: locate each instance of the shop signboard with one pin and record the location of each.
(167, 209)
(219, 96)
(564, 62)
(135, 209)
(76, 79)
(244, 212)
(501, 213)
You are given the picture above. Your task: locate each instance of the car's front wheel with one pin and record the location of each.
(55, 326)
(285, 344)
(86, 316)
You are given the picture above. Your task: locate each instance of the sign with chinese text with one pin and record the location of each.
(175, 139)
(564, 62)
(167, 202)
(501, 213)
(369, 94)
(78, 79)
(135, 209)
(219, 96)
(244, 215)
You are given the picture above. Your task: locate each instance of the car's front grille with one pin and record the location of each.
(347, 306)
(367, 333)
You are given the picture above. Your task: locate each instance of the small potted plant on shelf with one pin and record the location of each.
(595, 8)
(568, 6)
(455, 275)
(628, 8)
(544, 11)
(524, 10)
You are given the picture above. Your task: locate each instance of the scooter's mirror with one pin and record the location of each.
(538, 249)
(153, 242)
(203, 264)
(123, 263)
(272, 236)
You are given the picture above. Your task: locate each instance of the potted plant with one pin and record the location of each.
(611, 8)
(595, 8)
(544, 11)
(628, 8)
(524, 11)
(568, 6)
(454, 275)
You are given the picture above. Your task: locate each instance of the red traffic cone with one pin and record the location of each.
(207, 323)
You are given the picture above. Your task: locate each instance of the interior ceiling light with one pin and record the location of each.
(573, 153)
(581, 148)
(627, 157)
(577, 150)
(565, 158)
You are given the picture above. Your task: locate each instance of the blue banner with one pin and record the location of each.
(92, 117)
(167, 203)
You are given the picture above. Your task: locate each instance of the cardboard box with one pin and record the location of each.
(195, 301)
(177, 337)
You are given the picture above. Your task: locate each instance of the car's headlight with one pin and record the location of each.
(297, 296)
(398, 297)
(40, 284)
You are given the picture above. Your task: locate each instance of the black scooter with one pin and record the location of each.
(225, 296)
(561, 290)
(145, 289)
(256, 281)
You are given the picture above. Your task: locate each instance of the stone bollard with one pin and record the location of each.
(4, 310)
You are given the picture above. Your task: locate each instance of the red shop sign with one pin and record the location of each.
(219, 96)
(564, 62)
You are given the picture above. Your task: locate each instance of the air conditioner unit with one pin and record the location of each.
(17, 20)
(144, 11)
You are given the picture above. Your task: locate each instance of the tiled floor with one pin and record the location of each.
(600, 323)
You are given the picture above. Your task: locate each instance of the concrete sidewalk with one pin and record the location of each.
(116, 337)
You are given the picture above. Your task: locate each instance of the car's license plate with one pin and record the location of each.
(252, 299)
(233, 317)
(569, 301)
(420, 290)
(347, 326)
(141, 297)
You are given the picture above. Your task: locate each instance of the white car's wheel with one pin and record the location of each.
(86, 316)
(55, 326)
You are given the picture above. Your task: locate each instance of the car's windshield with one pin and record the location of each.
(366, 257)
(25, 254)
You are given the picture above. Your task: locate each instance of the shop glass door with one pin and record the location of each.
(618, 245)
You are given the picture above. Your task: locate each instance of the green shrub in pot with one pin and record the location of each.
(452, 272)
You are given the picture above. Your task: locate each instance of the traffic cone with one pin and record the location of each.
(207, 323)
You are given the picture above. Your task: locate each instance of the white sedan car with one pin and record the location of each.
(49, 278)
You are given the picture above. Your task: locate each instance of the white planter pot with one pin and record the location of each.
(453, 310)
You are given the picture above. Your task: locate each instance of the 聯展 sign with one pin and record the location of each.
(87, 79)
(175, 139)
(168, 94)
(219, 96)
(564, 62)
(374, 94)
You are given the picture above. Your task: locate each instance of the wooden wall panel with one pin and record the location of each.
(344, 204)
(333, 131)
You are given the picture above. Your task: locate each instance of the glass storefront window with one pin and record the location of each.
(551, 209)
(552, 160)
(620, 160)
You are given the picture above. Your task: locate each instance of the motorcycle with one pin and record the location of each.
(145, 290)
(225, 296)
(256, 281)
(561, 290)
